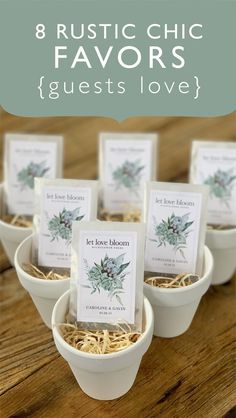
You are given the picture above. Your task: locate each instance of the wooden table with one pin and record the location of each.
(189, 376)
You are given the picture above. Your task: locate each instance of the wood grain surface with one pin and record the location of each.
(193, 375)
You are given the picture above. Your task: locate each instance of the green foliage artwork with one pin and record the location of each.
(60, 226)
(173, 231)
(221, 184)
(109, 275)
(26, 175)
(128, 175)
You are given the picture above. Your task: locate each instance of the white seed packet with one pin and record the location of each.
(107, 273)
(214, 164)
(58, 203)
(28, 156)
(126, 162)
(176, 224)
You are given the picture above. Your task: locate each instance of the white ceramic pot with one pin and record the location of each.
(103, 376)
(44, 293)
(223, 247)
(174, 309)
(11, 236)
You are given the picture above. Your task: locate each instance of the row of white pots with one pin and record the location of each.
(221, 243)
(174, 309)
(110, 376)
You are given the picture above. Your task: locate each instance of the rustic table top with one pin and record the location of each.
(189, 376)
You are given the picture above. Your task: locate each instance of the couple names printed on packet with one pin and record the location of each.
(26, 157)
(126, 162)
(108, 272)
(214, 164)
(176, 224)
(59, 203)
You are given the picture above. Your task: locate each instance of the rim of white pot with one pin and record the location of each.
(26, 275)
(222, 232)
(15, 227)
(57, 335)
(207, 254)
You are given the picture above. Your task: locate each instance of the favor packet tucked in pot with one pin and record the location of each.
(58, 203)
(107, 275)
(28, 156)
(176, 225)
(126, 161)
(213, 163)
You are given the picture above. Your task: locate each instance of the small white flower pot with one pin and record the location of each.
(174, 309)
(103, 376)
(11, 236)
(44, 293)
(223, 247)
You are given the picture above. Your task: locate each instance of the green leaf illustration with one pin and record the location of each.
(60, 226)
(221, 184)
(129, 175)
(174, 232)
(26, 175)
(109, 276)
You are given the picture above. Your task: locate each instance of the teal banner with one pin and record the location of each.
(118, 58)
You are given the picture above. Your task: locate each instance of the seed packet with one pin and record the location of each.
(58, 203)
(107, 273)
(26, 157)
(214, 164)
(176, 224)
(126, 161)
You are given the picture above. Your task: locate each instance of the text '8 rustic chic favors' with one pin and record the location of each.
(26, 157)
(176, 225)
(107, 275)
(214, 164)
(126, 161)
(58, 203)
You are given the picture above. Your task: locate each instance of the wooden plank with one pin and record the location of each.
(4, 263)
(81, 137)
